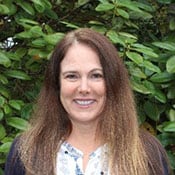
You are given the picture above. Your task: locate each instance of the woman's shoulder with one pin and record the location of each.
(156, 154)
(13, 164)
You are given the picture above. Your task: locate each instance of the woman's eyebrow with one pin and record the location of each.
(68, 71)
(74, 71)
(97, 69)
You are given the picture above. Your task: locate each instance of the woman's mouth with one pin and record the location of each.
(84, 102)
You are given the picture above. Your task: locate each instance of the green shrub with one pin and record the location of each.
(142, 30)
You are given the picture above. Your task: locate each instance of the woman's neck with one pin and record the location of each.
(84, 137)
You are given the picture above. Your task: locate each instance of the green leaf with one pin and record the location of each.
(36, 31)
(8, 139)
(162, 77)
(135, 71)
(20, 52)
(138, 87)
(39, 8)
(167, 139)
(50, 13)
(141, 46)
(5, 147)
(141, 118)
(26, 6)
(16, 104)
(172, 24)
(17, 74)
(4, 60)
(140, 15)
(23, 35)
(2, 132)
(164, 1)
(2, 161)
(146, 52)
(143, 49)
(114, 37)
(12, 56)
(127, 35)
(71, 25)
(47, 3)
(150, 86)
(53, 38)
(172, 115)
(152, 110)
(159, 95)
(40, 42)
(135, 57)
(48, 29)
(7, 109)
(1, 114)
(165, 45)
(4, 92)
(39, 5)
(36, 54)
(169, 126)
(80, 3)
(4, 9)
(128, 4)
(17, 122)
(123, 13)
(144, 6)
(170, 65)
(12, 8)
(94, 22)
(2, 101)
(28, 21)
(26, 111)
(171, 93)
(99, 28)
(38, 2)
(150, 66)
(104, 7)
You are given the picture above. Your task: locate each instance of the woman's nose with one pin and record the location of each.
(84, 87)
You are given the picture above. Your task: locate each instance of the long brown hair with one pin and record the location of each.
(118, 127)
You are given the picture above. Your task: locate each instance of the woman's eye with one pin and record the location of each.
(71, 77)
(97, 76)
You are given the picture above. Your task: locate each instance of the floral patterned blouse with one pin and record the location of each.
(70, 161)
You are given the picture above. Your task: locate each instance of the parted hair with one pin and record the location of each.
(130, 150)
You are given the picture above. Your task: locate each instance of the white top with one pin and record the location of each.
(70, 161)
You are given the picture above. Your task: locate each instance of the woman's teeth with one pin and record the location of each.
(84, 102)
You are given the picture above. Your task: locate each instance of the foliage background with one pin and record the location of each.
(142, 30)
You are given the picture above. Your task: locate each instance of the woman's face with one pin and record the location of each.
(82, 91)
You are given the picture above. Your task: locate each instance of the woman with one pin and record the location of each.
(85, 122)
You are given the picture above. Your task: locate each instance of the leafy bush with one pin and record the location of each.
(142, 30)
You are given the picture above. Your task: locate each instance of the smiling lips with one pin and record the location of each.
(84, 102)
